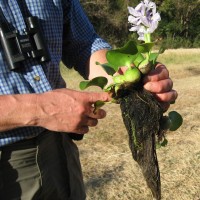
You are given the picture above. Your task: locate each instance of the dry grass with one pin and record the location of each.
(109, 170)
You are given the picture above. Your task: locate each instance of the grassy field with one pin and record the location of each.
(109, 171)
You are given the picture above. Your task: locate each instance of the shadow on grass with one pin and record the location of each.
(193, 70)
(96, 182)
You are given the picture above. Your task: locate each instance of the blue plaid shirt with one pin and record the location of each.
(80, 41)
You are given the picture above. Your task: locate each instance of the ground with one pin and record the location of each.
(109, 171)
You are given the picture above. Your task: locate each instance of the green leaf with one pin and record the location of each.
(98, 81)
(176, 120)
(145, 47)
(153, 57)
(97, 105)
(138, 59)
(158, 145)
(165, 123)
(110, 70)
(164, 143)
(161, 143)
(109, 88)
(123, 56)
(118, 59)
(162, 50)
(129, 48)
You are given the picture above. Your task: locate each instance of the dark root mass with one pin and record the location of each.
(142, 115)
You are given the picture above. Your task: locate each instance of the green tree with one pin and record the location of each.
(109, 19)
(179, 27)
(180, 21)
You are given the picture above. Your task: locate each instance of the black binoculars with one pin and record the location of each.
(19, 48)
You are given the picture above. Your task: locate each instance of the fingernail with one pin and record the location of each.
(147, 86)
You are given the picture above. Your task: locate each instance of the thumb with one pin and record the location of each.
(103, 96)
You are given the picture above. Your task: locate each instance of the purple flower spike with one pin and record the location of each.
(143, 18)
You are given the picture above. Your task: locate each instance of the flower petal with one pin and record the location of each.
(141, 30)
(133, 20)
(156, 17)
(134, 29)
(153, 26)
(133, 12)
(152, 5)
(145, 21)
(139, 6)
(141, 37)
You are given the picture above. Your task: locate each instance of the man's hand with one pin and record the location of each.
(69, 110)
(159, 83)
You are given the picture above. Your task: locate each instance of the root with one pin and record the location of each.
(142, 115)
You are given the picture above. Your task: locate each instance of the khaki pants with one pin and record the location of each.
(43, 168)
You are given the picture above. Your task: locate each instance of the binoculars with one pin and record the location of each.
(18, 48)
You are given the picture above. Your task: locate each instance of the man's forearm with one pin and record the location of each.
(97, 70)
(60, 110)
(17, 111)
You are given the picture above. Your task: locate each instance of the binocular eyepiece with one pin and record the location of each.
(19, 48)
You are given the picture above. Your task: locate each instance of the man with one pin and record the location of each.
(38, 159)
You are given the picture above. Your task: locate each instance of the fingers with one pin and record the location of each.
(167, 96)
(103, 96)
(90, 120)
(98, 114)
(82, 130)
(165, 106)
(159, 83)
(159, 86)
(159, 73)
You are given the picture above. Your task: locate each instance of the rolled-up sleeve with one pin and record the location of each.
(79, 37)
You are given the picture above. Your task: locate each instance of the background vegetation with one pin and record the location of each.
(179, 27)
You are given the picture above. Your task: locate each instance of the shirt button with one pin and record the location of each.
(37, 78)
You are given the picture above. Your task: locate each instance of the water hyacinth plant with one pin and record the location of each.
(142, 113)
